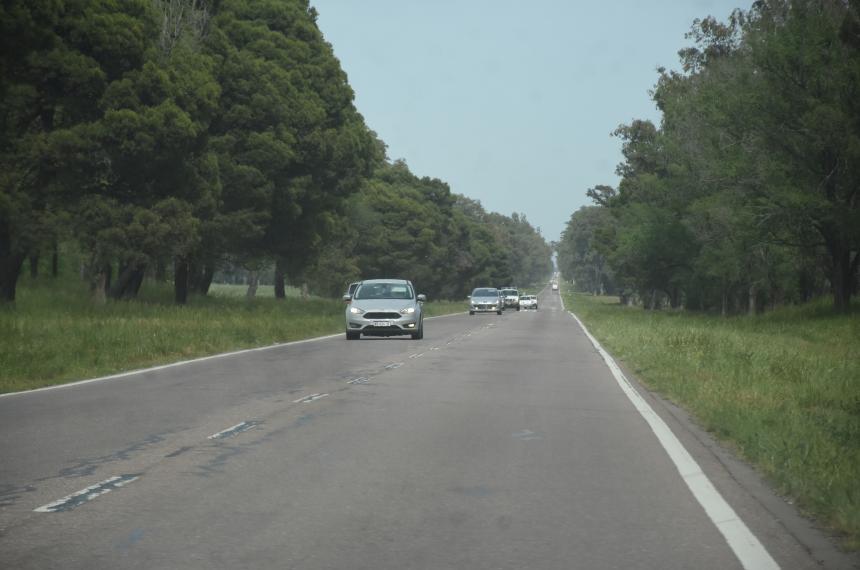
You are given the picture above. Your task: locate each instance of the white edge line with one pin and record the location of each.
(749, 551)
(184, 362)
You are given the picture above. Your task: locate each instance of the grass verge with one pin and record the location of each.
(782, 388)
(55, 334)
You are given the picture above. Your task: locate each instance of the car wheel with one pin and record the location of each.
(498, 312)
(352, 335)
(420, 334)
(518, 308)
(471, 313)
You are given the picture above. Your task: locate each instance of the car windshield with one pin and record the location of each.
(485, 293)
(510, 291)
(384, 291)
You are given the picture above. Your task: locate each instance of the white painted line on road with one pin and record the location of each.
(418, 355)
(393, 366)
(359, 380)
(86, 495)
(750, 552)
(191, 361)
(234, 430)
(308, 399)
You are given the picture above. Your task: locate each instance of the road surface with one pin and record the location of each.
(497, 442)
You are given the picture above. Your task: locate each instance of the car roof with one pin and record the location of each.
(371, 281)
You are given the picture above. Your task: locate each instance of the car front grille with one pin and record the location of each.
(382, 316)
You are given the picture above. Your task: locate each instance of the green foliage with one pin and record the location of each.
(159, 133)
(400, 225)
(747, 192)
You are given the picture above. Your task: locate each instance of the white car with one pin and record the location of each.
(555, 286)
(384, 307)
(528, 302)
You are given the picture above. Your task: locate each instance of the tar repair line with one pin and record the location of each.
(750, 552)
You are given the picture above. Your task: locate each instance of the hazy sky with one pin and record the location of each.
(511, 103)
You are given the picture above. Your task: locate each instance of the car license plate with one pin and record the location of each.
(382, 323)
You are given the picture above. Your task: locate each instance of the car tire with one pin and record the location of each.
(352, 335)
(518, 308)
(471, 313)
(420, 334)
(498, 312)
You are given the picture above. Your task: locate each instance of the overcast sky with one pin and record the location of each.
(511, 103)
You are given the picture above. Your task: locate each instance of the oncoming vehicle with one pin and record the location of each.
(555, 287)
(350, 291)
(485, 300)
(528, 302)
(512, 297)
(384, 307)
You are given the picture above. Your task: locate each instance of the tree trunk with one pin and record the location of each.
(751, 307)
(55, 262)
(107, 269)
(305, 294)
(206, 278)
(280, 291)
(724, 308)
(841, 280)
(10, 268)
(160, 271)
(34, 265)
(134, 284)
(253, 279)
(180, 281)
(118, 290)
(98, 286)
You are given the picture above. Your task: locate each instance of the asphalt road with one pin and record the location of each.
(497, 442)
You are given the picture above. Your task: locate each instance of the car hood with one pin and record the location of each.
(383, 305)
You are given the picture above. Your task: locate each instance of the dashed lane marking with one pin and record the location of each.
(88, 494)
(310, 398)
(234, 430)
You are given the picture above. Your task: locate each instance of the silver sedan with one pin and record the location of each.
(384, 307)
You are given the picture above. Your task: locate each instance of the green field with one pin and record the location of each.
(55, 334)
(782, 388)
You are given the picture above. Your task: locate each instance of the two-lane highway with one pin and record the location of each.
(495, 442)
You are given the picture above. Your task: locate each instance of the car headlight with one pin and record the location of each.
(355, 310)
(407, 311)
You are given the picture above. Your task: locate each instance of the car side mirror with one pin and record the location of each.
(347, 298)
(422, 298)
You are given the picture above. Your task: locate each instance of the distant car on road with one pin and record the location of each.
(512, 297)
(485, 300)
(384, 307)
(555, 286)
(528, 302)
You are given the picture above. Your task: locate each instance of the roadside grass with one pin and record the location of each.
(782, 388)
(54, 333)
